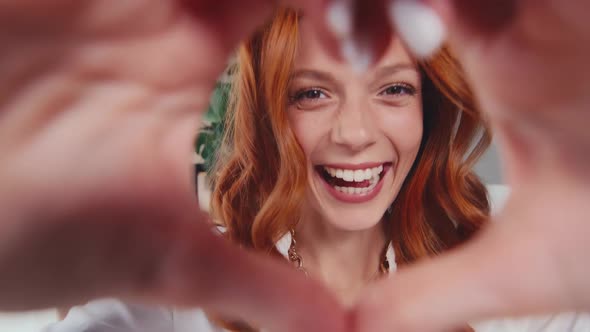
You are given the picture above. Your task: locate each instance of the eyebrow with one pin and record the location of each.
(381, 72)
(388, 70)
(313, 74)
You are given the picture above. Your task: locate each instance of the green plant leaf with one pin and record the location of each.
(209, 139)
(202, 140)
(218, 104)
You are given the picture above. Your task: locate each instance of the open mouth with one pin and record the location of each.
(358, 182)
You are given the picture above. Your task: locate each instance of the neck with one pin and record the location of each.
(344, 260)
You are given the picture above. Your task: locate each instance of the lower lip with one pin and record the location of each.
(354, 198)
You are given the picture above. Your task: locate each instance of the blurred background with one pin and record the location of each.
(488, 168)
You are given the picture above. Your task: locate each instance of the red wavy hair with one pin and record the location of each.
(259, 179)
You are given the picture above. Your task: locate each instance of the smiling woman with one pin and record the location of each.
(345, 175)
(354, 173)
(390, 148)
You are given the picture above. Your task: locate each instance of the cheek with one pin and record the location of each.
(310, 129)
(403, 127)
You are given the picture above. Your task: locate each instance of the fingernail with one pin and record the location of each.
(418, 25)
(360, 58)
(339, 18)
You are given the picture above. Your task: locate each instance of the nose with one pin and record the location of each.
(354, 127)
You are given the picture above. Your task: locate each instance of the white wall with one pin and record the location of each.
(488, 167)
(32, 321)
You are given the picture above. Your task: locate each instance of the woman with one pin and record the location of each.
(365, 140)
(346, 175)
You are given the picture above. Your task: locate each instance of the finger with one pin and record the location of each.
(371, 37)
(478, 18)
(332, 20)
(354, 31)
(163, 257)
(361, 30)
(419, 24)
(202, 269)
(488, 278)
(423, 24)
(106, 249)
(426, 24)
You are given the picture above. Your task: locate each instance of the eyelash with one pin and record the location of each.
(408, 89)
(299, 95)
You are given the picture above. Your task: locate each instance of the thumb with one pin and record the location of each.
(203, 269)
(506, 271)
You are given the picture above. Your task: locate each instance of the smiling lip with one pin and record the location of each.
(355, 166)
(355, 198)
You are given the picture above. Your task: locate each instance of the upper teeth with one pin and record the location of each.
(358, 175)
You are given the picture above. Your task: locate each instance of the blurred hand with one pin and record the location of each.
(99, 106)
(98, 112)
(527, 61)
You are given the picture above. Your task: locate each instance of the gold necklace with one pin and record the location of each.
(297, 260)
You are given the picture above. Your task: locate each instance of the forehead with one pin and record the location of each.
(311, 51)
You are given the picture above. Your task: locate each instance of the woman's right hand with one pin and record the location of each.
(100, 102)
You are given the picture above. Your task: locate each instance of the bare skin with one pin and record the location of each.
(526, 60)
(99, 108)
(90, 92)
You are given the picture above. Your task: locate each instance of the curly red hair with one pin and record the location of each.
(259, 180)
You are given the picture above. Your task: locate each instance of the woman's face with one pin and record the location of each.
(359, 132)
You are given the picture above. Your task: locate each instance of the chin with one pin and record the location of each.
(354, 219)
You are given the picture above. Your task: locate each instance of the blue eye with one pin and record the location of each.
(399, 90)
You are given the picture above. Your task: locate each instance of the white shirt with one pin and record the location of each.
(111, 315)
